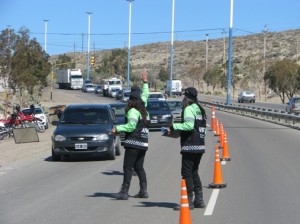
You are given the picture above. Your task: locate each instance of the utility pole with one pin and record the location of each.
(265, 32)
(206, 52)
(224, 54)
(88, 51)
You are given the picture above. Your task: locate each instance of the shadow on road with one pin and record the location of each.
(112, 172)
(157, 204)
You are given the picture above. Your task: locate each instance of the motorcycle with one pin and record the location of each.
(7, 125)
(32, 121)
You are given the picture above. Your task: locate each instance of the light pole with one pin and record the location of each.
(172, 49)
(88, 47)
(229, 55)
(129, 42)
(46, 28)
(206, 52)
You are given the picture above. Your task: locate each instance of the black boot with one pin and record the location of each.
(191, 205)
(198, 202)
(123, 194)
(143, 191)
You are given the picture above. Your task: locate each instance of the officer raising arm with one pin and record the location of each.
(136, 140)
(192, 134)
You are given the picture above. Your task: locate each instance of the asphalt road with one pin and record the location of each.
(262, 181)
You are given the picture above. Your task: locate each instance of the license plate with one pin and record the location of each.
(81, 146)
(153, 121)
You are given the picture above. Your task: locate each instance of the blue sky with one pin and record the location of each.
(67, 27)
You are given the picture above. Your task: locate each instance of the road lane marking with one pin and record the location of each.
(212, 202)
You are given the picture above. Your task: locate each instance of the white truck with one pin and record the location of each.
(176, 87)
(69, 78)
(109, 84)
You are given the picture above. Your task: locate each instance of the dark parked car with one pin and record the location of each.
(293, 105)
(160, 114)
(176, 108)
(119, 94)
(98, 89)
(85, 129)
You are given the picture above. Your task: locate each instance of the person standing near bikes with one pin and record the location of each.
(136, 140)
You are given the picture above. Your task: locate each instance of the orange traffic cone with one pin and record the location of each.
(213, 119)
(185, 215)
(218, 180)
(217, 128)
(225, 155)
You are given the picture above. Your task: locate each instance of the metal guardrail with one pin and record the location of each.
(291, 120)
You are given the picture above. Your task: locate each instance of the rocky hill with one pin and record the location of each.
(189, 54)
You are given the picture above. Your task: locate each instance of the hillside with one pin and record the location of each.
(246, 51)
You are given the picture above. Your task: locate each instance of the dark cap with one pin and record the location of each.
(135, 96)
(136, 89)
(191, 92)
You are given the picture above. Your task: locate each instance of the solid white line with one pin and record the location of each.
(212, 202)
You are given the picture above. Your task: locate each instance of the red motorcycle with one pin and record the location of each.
(30, 120)
(7, 125)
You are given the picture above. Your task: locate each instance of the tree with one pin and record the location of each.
(196, 73)
(212, 76)
(164, 74)
(65, 62)
(29, 67)
(113, 63)
(283, 78)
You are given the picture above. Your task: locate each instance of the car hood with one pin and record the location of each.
(82, 130)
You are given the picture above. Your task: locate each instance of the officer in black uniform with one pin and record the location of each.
(192, 134)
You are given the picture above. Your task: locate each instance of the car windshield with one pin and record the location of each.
(29, 111)
(161, 106)
(85, 116)
(156, 95)
(175, 104)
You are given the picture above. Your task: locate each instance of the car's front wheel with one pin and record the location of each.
(111, 155)
(55, 157)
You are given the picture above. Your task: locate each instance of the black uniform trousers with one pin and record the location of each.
(189, 171)
(134, 158)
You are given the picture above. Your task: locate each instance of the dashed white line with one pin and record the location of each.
(212, 202)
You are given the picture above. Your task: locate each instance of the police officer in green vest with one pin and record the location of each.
(136, 140)
(192, 133)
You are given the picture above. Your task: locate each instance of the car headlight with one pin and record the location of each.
(59, 138)
(101, 137)
(166, 115)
